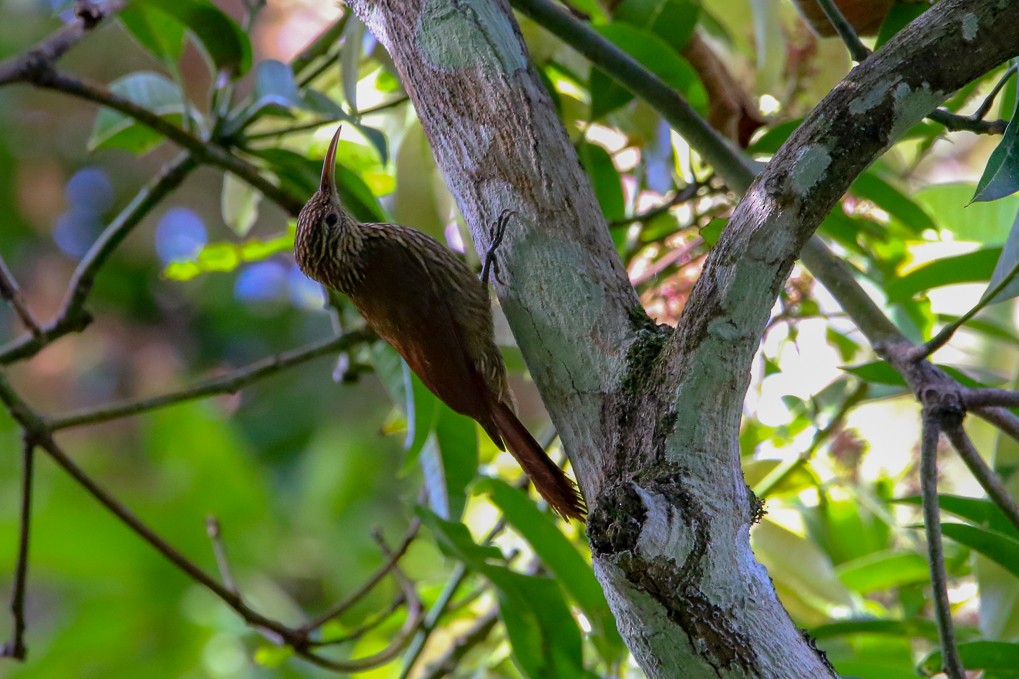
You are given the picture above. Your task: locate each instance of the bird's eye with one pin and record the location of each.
(331, 219)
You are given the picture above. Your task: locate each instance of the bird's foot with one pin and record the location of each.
(496, 233)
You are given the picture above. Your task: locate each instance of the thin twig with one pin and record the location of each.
(224, 384)
(72, 316)
(16, 647)
(932, 524)
(958, 123)
(1003, 419)
(679, 196)
(367, 626)
(441, 606)
(983, 473)
(215, 532)
(946, 333)
(985, 105)
(388, 566)
(450, 661)
(983, 398)
(857, 49)
(10, 291)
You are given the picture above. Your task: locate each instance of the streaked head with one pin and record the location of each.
(320, 220)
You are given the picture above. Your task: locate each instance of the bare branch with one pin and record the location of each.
(229, 383)
(983, 473)
(845, 30)
(72, 317)
(10, 291)
(16, 647)
(476, 634)
(932, 525)
(983, 398)
(215, 532)
(369, 584)
(1003, 419)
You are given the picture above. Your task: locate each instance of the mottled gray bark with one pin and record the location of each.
(650, 417)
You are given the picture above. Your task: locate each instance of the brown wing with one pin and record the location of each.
(411, 307)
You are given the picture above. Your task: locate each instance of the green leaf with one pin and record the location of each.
(421, 409)
(769, 142)
(1006, 268)
(982, 512)
(906, 629)
(998, 547)
(876, 372)
(987, 223)
(156, 92)
(899, 16)
(221, 37)
(225, 256)
(456, 437)
(275, 86)
(1001, 175)
(713, 230)
(893, 201)
(350, 60)
(163, 38)
(608, 187)
(655, 55)
(883, 570)
(562, 559)
(968, 268)
(239, 204)
(300, 176)
(544, 636)
(422, 199)
(671, 20)
(999, 657)
(273, 656)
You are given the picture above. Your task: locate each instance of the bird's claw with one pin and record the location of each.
(496, 234)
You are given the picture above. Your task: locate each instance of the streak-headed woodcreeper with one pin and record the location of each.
(425, 302)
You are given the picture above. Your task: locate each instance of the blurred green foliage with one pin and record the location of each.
(302, 467)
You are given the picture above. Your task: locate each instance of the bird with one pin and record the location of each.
(418, 296)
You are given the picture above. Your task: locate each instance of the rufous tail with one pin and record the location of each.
(550, 481)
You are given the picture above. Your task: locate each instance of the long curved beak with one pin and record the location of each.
(328, 184)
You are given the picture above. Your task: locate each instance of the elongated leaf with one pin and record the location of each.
(350, 60)
(1001, 175)
(999, 657)
(1006, 269)
(906, 629)
(456, 439)
(899, 16)
(671, 20)
(544, 636)
(239, 204)
(155, 92)
(607, 185)
(998, 547)
(986, 223)
(220, 36)
(562, 559)
(883, 570)
(893, 201)
(155, 31)
(774, 137)
(968, 268)
(982, 512)
(275, 86)
(655, 55)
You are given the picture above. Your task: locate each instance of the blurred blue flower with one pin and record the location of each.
(76, 230)
(180, 233)
(90, 188)
(304, 292)
(265, 282)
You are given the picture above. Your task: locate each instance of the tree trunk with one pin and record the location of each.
(650, 417)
